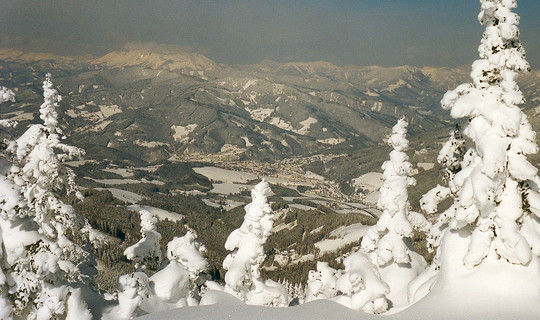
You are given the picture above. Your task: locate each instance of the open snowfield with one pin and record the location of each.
(222, 306)
(229, 204)
(124, 172)
(218, 305)
(301, 206)
(76, 163)
(342, 236)
(370, 181)
(229, 188)
(123, 195)
(224, 175)
(157, 212)
(126, 181)
(372, 198)
(241, 177)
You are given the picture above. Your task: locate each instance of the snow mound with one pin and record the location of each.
(221, 306)
(495, 289)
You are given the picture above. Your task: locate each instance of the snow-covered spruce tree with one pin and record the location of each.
(243, 278)
(9, 201)
(453, 158)
(499, 189)
(387, 242)
(41, 267)
(38, 169)
(489, 254)
(146, 254)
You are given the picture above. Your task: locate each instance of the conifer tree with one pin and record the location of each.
(387, 243)
(490, 241)
(243, 277)
(384, 242)
(453, 158)
(41, 267)
(497, 190)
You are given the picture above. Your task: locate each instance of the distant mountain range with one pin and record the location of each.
(156, 105)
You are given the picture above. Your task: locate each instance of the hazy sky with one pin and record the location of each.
(360, 32)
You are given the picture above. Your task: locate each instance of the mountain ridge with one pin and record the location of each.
(164, 104)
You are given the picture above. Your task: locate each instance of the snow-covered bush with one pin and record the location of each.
(40, 266)
(358, 287)
(387, 243)
(176, 285)
(6, 95)
(361, 285)
(322, 282)
(146, 253)
(243, 278)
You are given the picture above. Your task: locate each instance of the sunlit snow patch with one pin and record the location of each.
(342, 236)
(181, 132)
(157, 212)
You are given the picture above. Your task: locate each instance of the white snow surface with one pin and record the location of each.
(495, 289)
(219, 305)
(370, 182)
(306, 124)
(228, 188)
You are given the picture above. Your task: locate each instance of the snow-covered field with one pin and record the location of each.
(218, 305)
(125, 181)
(228, 182)
(370, 182)
(229, 188)
(157, 212)
(123, 195)
(224, 175)
(182, 132)
(341, 237)
(228, 205)
(301, 207)
(124, 172)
